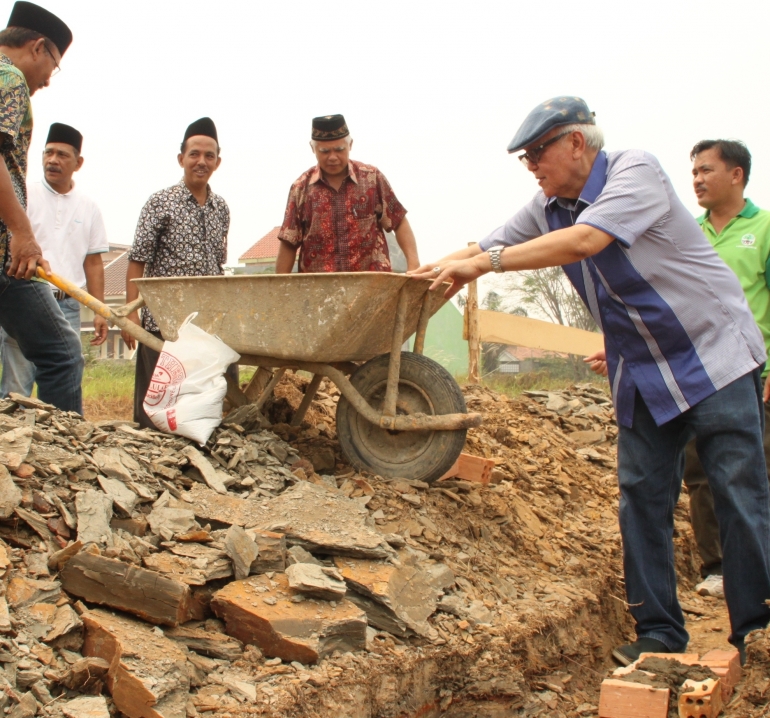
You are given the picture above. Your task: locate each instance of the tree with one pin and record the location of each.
(549, 291)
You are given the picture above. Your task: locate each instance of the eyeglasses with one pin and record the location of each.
(533, 156)
(57, 69)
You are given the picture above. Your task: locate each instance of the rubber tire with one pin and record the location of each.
(424, 386)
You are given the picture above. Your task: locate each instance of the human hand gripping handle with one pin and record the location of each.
(597, 363)
(26, 256)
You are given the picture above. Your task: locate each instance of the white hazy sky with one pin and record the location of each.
(432, 92)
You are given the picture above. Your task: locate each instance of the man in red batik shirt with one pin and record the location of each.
(339, 210)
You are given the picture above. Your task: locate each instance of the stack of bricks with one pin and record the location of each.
(699, 699)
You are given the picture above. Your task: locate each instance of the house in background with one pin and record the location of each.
(260, 257)
(115, 266)
(518, 360)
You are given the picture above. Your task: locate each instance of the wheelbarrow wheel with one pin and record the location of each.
(424, 387)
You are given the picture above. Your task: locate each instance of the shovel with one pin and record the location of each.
(119, 317)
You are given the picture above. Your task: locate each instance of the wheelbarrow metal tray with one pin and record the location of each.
(346, 316)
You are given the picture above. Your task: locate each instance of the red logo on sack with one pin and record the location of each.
(166, 380)
(171, 418)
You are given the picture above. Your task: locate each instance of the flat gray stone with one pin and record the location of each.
(241, 550)
(10, 494)
(316, 581)
(94, 510)
(86, 707)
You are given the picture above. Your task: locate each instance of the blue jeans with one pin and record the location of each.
(728, 428)
(18, 372)
(31, 316)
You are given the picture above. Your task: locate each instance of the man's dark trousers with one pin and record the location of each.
(30, 314)
(728, 429)
(702, 516)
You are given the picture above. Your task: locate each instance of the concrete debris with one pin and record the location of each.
(316, 581)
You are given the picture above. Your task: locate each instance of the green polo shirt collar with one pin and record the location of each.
(749, 210)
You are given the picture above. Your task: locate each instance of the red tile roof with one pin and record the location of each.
(265, 248)
(115, 276)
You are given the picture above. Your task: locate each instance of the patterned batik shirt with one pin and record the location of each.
(177, 237)
(16, 128)
(342, 230)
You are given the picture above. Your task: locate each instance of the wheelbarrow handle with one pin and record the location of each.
(142, 336)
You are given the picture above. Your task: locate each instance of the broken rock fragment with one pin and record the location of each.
(167, 522)
(260, 611)
(86, 707)
(322, 521)
(207, 643)
(316, 581)
(153, 597)
(241, 550)
(10, 494)
(272, 551)
(148, 676)
(94, 511)
(409, 592)
(121, 495)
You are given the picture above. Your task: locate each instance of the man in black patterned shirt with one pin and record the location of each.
(182, 232)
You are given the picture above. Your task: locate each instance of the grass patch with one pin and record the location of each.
(108, 390)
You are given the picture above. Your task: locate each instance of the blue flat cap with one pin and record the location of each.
(552, 113)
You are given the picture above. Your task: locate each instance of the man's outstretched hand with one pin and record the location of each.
(457, 272)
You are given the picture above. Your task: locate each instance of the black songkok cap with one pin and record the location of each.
(34, 17)
(60, 132)
(329, 127)
(204, 126)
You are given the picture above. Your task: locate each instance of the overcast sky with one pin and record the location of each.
(432, 92)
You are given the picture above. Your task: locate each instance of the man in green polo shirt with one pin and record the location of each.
(740, 233)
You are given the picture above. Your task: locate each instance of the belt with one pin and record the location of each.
(58, 294)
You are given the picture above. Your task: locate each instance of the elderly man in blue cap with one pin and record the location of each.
(683, 352)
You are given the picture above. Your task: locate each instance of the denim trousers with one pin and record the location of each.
(18, 372)
(728, 428)
(702, 516)
(31, 316)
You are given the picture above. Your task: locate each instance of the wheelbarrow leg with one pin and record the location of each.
(310, 392)
(394, 367)
(269, 388)
(422, 322)
(258, 383)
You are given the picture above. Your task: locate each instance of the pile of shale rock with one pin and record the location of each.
(144, 575)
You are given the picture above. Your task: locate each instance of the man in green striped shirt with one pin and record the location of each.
(740, 233)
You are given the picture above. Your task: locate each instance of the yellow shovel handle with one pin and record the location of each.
(142, 336)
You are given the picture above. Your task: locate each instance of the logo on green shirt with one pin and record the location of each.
(748, 240)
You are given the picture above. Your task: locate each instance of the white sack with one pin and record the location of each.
(188, 384)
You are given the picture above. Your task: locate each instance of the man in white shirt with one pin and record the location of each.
(70, 230)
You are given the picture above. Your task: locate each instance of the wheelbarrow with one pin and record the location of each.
(400, 414)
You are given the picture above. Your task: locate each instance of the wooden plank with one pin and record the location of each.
(623, 699)
(525, 332)
(147, 594)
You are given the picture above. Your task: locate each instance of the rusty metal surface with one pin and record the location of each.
(307, 317)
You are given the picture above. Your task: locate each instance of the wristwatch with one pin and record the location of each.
(494, 258)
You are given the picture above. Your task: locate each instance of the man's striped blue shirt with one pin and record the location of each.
(676, 324)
